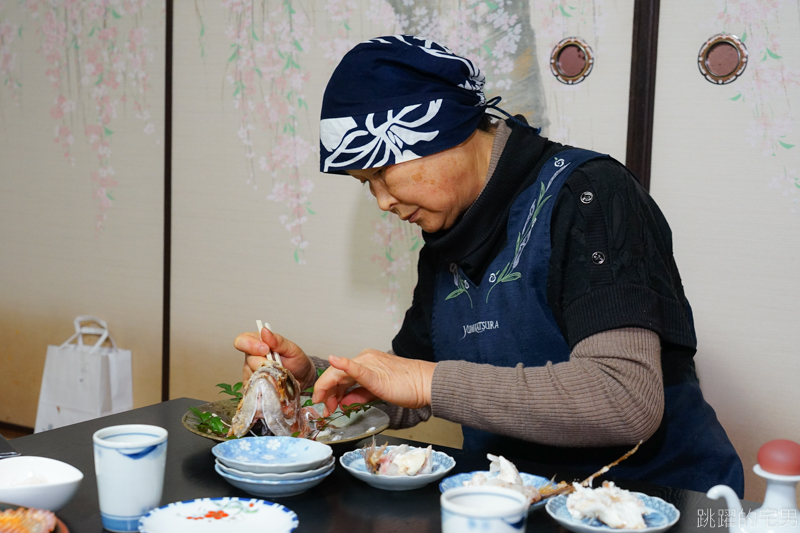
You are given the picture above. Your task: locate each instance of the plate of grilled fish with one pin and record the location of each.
(19, 518)
(272, 403)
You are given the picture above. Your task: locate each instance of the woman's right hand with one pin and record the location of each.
(256, 346)
(394, 379)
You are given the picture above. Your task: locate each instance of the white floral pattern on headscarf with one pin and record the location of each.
(398, 98)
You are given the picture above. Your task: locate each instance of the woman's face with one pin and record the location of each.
(434, 190)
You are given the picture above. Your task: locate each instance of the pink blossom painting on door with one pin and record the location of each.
(764, 89)
(555, 20)
(273, 43)
(10, 35)
(98, 55)
(267, 77)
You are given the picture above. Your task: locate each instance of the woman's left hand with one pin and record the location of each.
(397, 380)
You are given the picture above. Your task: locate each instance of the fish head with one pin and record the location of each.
(272, 394)
(276, 376)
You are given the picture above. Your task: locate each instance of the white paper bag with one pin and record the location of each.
(83, 382)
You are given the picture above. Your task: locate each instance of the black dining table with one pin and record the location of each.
(341, 503)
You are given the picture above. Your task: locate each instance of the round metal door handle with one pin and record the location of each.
(571, 60)
(722, 58)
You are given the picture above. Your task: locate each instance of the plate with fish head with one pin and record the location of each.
(344, 429)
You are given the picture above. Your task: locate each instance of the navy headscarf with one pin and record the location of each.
(397, 98)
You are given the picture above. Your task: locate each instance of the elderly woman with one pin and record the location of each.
(549, 317)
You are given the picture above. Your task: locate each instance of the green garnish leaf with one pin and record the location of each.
(232, 390)
(209, 422)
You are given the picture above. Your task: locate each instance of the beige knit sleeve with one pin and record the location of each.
(610, 392)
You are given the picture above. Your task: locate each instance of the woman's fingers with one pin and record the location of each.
(251, 344)
(363, 375)
(256, 346)
(279, 344)
(253, 363)
(331, 387)
(358, 395)
(347, 373)
(403, 382)
(254, 350)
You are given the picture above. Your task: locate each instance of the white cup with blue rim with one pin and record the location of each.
(129, 462)
(484, 509)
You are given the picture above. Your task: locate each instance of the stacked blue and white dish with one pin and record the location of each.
(273, 467)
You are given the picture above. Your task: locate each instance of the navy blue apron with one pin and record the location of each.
(505, 319)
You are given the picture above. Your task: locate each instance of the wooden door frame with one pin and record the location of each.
(644, 50)
(167, 270)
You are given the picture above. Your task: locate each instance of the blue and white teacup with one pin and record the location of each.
(484, 509)
(129, 462)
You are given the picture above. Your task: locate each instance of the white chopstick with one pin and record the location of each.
(272, 356)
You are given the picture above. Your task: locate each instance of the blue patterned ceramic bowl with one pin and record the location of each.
(354, 463)
(457, 481)
(660, 516)
(274, 489)
(276, 455)
(288, 476)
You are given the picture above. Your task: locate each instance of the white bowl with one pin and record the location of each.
(38, 482)
(288, 476)
(354, 463)
(274, 489)
(276, 455)
(482, 508)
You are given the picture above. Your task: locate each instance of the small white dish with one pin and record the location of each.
(274, 489)
(483, 508)
(276, 455)
(660, 516)
(288, 476)
(38, 482)
(220, 515)
(354, 463)
(457, 481)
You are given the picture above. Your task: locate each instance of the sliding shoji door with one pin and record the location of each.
(725, 172)
(81, 186)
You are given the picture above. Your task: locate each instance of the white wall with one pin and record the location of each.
(729, 189)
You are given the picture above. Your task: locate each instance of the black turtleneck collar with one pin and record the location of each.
(481, 230)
